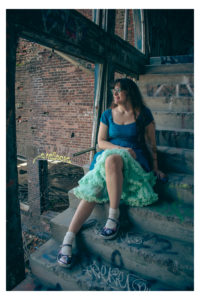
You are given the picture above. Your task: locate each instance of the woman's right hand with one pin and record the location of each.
(132, 152)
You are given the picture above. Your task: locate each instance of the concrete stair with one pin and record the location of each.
(179, 138)
(173, 219)
(170, 103)
(177, 120)
(171, 60)
(169, 68)
(88, 273)
(134, 250)
(154, 248)
(178, 160)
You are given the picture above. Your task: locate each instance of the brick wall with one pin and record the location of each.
(86, 12)
(119, 22)
(119, 25)
(54, 102)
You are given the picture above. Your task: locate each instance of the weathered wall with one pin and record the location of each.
(119, 22)
(119, 27)
(54, 102)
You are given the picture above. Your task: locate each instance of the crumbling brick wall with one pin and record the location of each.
(54, 102)
(119, 25)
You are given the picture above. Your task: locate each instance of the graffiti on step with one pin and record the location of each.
(113, 278)
(166, 90)
(99, 275)
(153, 242)
(116, 259)
(176, 59)
(150, 241)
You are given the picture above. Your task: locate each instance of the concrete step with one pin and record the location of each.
(169, 79)
(174, 120)
(171, 219)
(162, 85)
(167, 217)
(172, 60)
(145, 253)
(88, 273)
(170, 68)
(179, 138)
(170, 103)
(180, 188)
(175, 160)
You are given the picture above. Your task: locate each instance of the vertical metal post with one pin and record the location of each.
(15, 268)
(105, 19)
(103, 75)
(138, 36)
(147, 49)
(99, 74)
(126, 25)
(96, 16)
(143, 30)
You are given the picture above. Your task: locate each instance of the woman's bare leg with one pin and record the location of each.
(114, 179)
(83, 211)
(114, 182)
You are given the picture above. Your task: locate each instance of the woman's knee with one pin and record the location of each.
(114, 161)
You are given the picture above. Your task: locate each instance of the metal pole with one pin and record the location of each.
(126, 25)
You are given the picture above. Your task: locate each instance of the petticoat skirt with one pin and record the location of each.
(137, 184)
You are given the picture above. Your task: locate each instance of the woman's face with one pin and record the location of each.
(119, 95)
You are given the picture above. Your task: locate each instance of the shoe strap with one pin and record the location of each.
(66, 245)
(115, 221)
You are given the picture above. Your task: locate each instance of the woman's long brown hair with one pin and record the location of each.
(133, 91)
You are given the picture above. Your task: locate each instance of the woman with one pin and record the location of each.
(121, 172)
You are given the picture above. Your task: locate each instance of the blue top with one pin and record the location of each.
(126, 136)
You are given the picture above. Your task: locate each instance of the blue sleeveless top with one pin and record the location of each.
(126, 136)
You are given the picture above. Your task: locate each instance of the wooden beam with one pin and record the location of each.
(15, 269)
(70, 32)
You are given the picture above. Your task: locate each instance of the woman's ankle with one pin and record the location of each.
(67, 243)
(112, 218)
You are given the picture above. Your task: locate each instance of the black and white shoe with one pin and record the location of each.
(64, 260)
(108, 233)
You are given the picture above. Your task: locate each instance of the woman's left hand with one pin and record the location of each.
(160, 175)
(132, 152)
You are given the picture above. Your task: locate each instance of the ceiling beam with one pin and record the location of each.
(72, 33)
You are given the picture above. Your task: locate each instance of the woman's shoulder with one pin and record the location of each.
(107, 111)
(106, 116)
(146, 109)
(146, 115)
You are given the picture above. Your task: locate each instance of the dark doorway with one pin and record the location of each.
(171, 31)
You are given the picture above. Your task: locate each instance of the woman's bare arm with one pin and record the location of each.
(103, 138)
(150, 138)
(104, 144)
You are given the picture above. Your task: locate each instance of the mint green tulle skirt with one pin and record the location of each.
(137, 183)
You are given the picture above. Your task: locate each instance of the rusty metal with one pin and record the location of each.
(83, 151)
